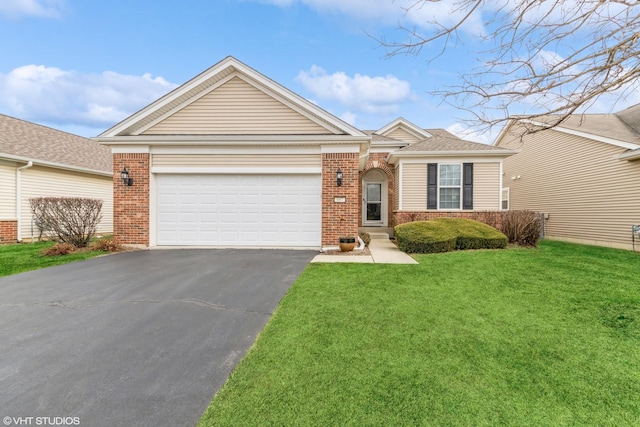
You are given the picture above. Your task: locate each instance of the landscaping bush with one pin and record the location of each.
(447, 234)
(522, 227)
(71, 219)
(366, 238)
(474, 234)
(424, 237)
(107, 244)
(59, 249)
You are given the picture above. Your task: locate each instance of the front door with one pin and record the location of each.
(373, 203)
(374, 199)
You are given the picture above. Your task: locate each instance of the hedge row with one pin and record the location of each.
(447, 234)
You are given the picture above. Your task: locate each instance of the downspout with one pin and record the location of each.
(19, 198)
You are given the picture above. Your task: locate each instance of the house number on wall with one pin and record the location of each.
(340, 199)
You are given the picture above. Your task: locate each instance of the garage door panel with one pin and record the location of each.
(239, 210)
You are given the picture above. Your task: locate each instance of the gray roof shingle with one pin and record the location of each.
(445, 143)
(40, 143)
(623, 125)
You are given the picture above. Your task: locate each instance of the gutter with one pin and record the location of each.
(19, 199)
(500, 153)
(631, 155)
(55, 165)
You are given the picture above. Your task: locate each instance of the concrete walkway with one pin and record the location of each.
(381, 249)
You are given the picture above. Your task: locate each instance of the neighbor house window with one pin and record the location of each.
(505, 199)
(450, 186)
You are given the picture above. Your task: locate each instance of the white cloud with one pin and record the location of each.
(388, 12)
(41, 8)
(377, 95)
(486, 137)
(349, 117)
(69, 98)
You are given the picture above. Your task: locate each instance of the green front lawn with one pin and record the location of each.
(17, 258)
(517, 337)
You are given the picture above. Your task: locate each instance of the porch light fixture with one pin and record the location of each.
(339, 177)
(125, 177)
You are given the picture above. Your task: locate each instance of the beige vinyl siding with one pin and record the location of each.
(8, 191)
(486, 186)
(403, 135)
(236, 107)
(590, 196)
(46, 182)
(237, 160)
(414, 187)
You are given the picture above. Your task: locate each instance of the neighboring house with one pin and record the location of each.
(584, 175)
(37, 161)
(232, 158)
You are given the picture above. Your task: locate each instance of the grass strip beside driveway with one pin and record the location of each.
(18, 258)
(527, 337)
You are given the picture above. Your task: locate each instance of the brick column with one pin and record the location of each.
(8, 231)
(339, 219)
(131, 203)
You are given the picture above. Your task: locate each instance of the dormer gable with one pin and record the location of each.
(403, 130)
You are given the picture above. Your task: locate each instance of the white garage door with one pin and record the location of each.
(239, 210)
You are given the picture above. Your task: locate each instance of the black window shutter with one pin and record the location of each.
(467, 186)
(432, 186)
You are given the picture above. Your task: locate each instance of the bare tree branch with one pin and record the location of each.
(551, 57)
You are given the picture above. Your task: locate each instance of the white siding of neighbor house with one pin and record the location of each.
(46, 182)
(237, 160)
(236, 107)
(590, 196)
(7, 191)
(402, 135)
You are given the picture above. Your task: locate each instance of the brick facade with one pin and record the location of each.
(8, 231)
(491, 218)
(378, 161)
(340, 219)
(131, 203)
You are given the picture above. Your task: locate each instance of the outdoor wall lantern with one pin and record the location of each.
(339, 177)
(125, 177)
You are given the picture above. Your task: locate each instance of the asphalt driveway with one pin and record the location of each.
(138, 338)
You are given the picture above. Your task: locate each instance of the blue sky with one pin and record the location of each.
(82, 66)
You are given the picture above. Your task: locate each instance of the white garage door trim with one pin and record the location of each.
(239, 210)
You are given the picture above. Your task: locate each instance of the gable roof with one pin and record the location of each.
(23, 141)
(208, 80)
(406, 125)
(442, 145)
(621, 129)
(631, 117)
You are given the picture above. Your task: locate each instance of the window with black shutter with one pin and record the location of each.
(432, 186)
(467, 186)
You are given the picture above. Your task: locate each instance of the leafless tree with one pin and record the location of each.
(71, 219)
(540, 57)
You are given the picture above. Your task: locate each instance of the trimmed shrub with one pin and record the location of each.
(522, 227)
(424, 237)
(473, 234)
(447, 234)
(59, 249)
